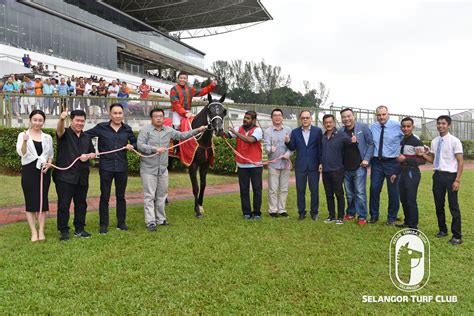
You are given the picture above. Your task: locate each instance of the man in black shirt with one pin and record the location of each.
(72, 184)
(113, 134)
(410, 175)
(356, 161)
(333, 168)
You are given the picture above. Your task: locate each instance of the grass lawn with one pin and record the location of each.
(223, 265)
(12, 194)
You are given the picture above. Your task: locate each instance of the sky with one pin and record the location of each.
(405, 54)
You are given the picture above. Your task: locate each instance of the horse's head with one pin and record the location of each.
(216, 114)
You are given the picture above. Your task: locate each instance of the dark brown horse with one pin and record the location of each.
(211, 115)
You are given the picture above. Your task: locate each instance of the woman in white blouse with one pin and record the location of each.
(36, 151)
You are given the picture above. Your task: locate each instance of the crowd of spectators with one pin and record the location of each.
(50, 91)
(55, 93)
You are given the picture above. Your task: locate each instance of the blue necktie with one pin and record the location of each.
(380, 153)
(438, 154)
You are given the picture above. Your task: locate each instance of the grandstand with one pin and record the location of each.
(118, 39)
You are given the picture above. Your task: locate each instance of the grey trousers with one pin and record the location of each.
(277, 189)
(155, 191)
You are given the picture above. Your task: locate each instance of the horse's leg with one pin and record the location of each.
(203, 168)
(193, 176)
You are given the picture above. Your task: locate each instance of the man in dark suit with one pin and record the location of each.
(306, 140)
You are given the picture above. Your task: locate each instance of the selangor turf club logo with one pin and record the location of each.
(409, 260)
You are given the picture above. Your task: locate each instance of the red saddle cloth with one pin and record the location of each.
(187, 149)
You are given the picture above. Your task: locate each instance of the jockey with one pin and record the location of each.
(181, 97)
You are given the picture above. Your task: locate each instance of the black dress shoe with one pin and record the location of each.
(373, 220)
(122, 227)
(274, 215)
(103, 230)
(455, 241)
(301, 217)
(64, 235)
(441, 234)
(284, 214)
(401, 225)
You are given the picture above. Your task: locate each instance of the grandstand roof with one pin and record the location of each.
(179, 15)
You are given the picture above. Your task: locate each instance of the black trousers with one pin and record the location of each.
(333, 181)
(247, 176)
(408, 187)
(442, 183)
(106, 178)
(67, 192)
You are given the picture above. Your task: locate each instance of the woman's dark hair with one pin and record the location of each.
(34, 112)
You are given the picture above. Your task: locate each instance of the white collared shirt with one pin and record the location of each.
(31, 154)
(451, 146)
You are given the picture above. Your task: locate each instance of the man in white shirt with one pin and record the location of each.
(113, 90)
(446, 154)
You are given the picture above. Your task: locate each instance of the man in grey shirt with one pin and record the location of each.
(155, 138)
(278, 171)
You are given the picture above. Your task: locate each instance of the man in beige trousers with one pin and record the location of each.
(278, 171)
(155, 138)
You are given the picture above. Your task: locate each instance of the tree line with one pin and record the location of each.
(262, 83)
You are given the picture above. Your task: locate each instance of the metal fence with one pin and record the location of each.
(14, 111)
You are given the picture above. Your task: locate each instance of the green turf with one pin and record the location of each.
(12, 194)
(223, 265)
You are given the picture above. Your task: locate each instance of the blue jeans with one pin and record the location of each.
(355, 185)
(381, 170)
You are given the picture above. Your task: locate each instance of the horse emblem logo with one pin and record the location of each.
(409, 260)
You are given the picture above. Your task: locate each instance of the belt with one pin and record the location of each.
(385, 159)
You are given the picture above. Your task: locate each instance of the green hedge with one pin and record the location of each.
(10, 161)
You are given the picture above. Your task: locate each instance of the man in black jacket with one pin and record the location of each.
(113, 134)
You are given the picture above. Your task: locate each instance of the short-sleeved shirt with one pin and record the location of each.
(80, 88)
(102, 91)
(258, 135)
(30, 84)
(144, 91)
(450, 146)
(63, 89)
(70, 146)
(8, 87)
(38, 88)
(47, 89)
(113, 91)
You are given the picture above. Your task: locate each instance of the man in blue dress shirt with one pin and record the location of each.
(387, 135)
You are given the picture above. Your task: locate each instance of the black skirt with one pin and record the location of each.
(30, 183)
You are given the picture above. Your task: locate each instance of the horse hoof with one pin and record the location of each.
(199, 216)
